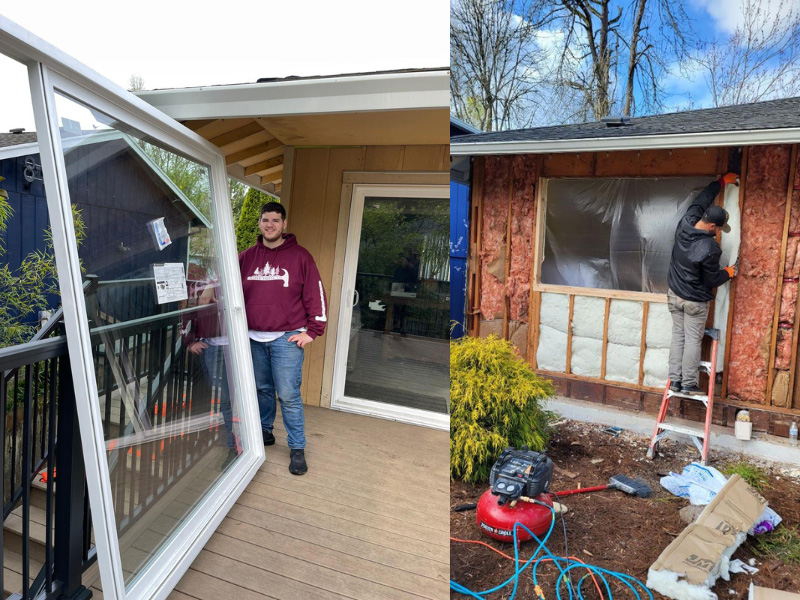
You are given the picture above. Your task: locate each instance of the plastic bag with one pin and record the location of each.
(700, 484)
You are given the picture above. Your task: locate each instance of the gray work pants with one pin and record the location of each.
(688, 328)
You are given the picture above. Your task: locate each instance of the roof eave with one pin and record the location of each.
(748, 137)
(382, 92)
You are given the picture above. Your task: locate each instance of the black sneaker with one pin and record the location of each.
(297, 464)
(693, 391)
(675, 386)
(269, 439)
(229, 458)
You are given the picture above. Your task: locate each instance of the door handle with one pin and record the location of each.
(357, 298)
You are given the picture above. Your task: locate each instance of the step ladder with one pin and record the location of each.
(698, 436)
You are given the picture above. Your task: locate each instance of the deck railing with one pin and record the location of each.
(148, 386)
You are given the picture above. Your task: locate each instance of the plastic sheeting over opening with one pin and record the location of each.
(614, 233)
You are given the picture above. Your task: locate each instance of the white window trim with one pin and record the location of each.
(50, 69)
(338, 399)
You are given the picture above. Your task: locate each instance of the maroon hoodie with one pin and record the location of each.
(282, 288)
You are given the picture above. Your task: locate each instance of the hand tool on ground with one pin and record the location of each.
(623, 483)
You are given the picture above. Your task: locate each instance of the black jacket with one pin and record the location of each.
(694, 269)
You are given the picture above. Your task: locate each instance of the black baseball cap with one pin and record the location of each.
(718, 216)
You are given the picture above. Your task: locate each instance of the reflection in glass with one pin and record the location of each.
(399, 348)
(156, 316)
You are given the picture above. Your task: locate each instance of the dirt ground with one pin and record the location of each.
(610, 529)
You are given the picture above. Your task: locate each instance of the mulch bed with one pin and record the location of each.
(610, 529)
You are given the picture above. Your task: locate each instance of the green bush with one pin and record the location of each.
(494, 397)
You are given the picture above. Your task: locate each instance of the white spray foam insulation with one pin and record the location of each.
(588, 315)
(586, 356)
(658, 337)
(656, 367)
(551, 354)
(622, 362)
(659, 325)
(729, 243)
(555, 311)
(625, 323)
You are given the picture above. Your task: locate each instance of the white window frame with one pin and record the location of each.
(338, 399)
(48, 70)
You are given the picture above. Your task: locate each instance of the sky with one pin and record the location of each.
(181, 44)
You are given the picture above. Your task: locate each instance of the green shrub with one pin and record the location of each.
(494, 397)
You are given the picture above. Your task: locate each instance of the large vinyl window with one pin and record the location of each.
(612, 234)
(143, 244)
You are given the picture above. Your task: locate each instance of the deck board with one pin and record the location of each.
(369, 520)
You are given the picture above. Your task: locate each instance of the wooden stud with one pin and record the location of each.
(602, 293)
(568, 368)
(781, 269)
(252, 151)
(643, 343)
(506, 297)
(605, 340)
(535, 296)
(237, 134)
(476, 228)
(263, 166)
(731, 295)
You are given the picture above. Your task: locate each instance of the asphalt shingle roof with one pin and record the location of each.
(773, 114)
(15, 139)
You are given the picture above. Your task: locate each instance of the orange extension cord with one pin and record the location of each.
(504, 555)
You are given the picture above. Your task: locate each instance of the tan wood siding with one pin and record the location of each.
(316, 179)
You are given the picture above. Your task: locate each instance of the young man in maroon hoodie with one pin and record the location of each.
(286, 310)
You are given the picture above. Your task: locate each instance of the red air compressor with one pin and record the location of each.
(517, 474)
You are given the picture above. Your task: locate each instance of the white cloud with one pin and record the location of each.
(730, 14)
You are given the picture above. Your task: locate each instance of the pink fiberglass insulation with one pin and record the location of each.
(523, 215)
(493, 242)
(762, 232)
(788, 302)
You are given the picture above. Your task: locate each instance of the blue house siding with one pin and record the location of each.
(459, 238)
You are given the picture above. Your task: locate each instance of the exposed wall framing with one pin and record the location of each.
(763, 224)
(761, 358)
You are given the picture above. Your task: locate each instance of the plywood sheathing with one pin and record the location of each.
(522, 220)
(684, 162)
(762, 228)
(497, 173)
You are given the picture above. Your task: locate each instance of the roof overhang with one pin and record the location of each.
(253, 123)
(347, 94)
(752, 137)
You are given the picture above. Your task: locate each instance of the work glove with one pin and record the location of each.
(729, 178)
(732, 271)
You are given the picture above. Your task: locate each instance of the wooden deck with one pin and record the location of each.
(368, 521)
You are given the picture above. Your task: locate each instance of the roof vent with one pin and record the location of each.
(17, 130)
(615, 121)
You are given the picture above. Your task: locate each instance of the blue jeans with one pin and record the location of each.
(278, 367)
(217, 377)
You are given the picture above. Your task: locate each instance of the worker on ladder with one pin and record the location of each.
(694, 271)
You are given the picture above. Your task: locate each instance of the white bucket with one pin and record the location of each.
(743, 430)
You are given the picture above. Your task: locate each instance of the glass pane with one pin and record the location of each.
(29, 296)
(399, 349)
(156, 315)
